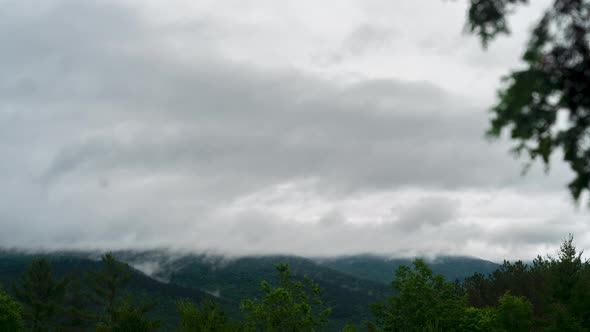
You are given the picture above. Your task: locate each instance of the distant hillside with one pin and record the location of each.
(13, 265)
(382, 269)
(349, 283)
(239, 278)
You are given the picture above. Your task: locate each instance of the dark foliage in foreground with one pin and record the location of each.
(545, 106)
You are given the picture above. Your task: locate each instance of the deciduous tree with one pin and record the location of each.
(208, 317)
(421, 300)
(292, 305)
(11, 313)
(546, 105)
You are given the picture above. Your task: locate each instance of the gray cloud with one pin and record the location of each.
(428, 211)
(110, 138)
(361, 40)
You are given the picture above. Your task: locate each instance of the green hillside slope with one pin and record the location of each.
(382, 269)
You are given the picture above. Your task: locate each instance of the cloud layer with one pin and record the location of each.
(122, 126)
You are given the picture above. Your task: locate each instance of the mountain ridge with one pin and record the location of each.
(350, 283)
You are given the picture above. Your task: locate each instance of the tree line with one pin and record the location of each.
(549, 294)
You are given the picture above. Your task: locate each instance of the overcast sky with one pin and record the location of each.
(247, 127)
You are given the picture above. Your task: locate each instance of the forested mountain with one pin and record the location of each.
(77, 292)
(14, 264)
(235, 279)
(349, 284)
(382, 268)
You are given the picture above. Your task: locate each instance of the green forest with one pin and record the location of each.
(548, 294)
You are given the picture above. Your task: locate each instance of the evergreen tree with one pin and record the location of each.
(106, 287)
(580, 298)
(42, 296)
(558, 289)
(567, 268)
(478, 289)
(131, 316)
(77, 315)
(118, 313)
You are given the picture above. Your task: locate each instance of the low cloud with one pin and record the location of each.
(113, 135)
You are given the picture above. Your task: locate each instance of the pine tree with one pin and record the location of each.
(119, 312)
(567, 268)
(106, 287)
(77, 315)
(131, 316)
(41, 295)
